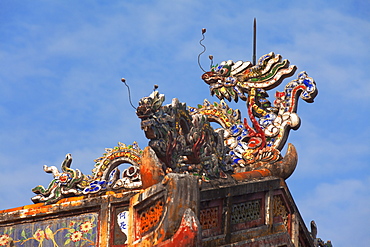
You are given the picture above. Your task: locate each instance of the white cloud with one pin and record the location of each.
(341, 210)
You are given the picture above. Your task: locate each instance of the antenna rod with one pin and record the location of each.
(254, 41)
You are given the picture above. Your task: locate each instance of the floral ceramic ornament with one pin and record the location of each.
(63, 184)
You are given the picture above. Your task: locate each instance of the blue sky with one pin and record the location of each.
(61, 63)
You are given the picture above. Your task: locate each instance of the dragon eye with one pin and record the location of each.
(223, 71)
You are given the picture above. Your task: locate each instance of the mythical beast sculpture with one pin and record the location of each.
(259, 145)
(185, 142)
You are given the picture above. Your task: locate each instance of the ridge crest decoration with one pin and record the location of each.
(184, 141)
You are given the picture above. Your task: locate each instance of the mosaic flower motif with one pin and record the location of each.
(76, 236)
(95, 187)
(4, 239)
(64, 178)
(85, 227)
(39, 235)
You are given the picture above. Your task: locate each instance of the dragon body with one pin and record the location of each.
(263, 140)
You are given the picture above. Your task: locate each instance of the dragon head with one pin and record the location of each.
(149, 105)
(231, 80)
(224, 79)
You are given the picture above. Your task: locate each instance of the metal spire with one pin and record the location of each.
(254, 41)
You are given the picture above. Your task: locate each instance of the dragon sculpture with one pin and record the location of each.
(185, 142)
(260, 143)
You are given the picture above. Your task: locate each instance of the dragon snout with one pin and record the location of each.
(206, 76)
(209, 77)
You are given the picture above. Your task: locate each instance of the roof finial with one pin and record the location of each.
(254, 41)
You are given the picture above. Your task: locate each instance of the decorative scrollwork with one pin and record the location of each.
(65, 183)
(106, 175)
(149, 217)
